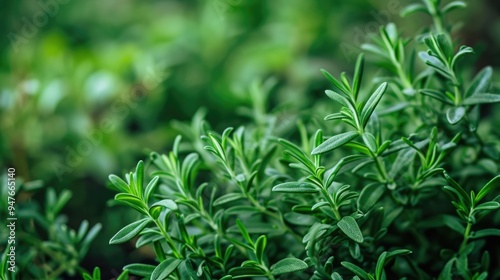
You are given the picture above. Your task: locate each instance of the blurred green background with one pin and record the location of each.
(87, 88)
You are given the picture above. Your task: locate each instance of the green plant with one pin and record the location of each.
(368, 202)
(45, 247)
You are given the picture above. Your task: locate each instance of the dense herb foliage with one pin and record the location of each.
(400, 182)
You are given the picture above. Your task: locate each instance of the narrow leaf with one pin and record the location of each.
(296, 187)
(334, 142)
(481, 98)
(129, 231)
(372, 103)
(455, 114)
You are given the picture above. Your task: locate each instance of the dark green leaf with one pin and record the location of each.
(380, 265)
(356, 270)
(454, 223)
(288, 265)
(486, 189)
(484, 233)
(140, 269)
(369, 196)
(481, 82)
(350, 227)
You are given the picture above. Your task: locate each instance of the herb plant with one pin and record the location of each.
(45, 247)
(399, 183)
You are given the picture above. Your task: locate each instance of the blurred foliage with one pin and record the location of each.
(88, 88)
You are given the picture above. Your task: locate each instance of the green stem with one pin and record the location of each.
(466, 235)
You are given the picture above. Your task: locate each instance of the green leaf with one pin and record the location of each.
(296, 187)
(369, 196)
(438, 95)
(288, 265)
(244, 232)
(486, 189)
(131, 201)
(350, 227)
(96, 273)
(130, 231)
(335, 82)
(463, 194)
(481, 82)
(123, 275)
(165, 268)
(481, 98)
(358, 75)
(490, 205)
(337, 97)
(228, 198)
(139, 178)
(356, 270)
(150, 187)
(372, 103)
(260, 246)
(380, 265)
(446, 272)
(140, 269)
(454, 223)
(413, 8)
(455, 114)
(119, 184)
(334, 142)
(245, 272)
(167, 203)
(370, 141)
(452, 6)
(484, 233)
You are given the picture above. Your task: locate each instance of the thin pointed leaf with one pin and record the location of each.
(372, 103)
(481, 98)
(455, 114)
(130, 231)
(296, 187)
(481, 82)
(334, 142)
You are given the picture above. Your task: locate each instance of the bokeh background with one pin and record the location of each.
(87, 88)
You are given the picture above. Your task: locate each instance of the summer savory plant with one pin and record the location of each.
(399, 182)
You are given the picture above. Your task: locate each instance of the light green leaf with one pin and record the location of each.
(350, 227)
(228, 198)
(165, 268)
(296, 187)
(413, 8)
(455, 114)
(288, 265)
(481, 98)
(452, 6)
(130, 231)
(334, 142)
